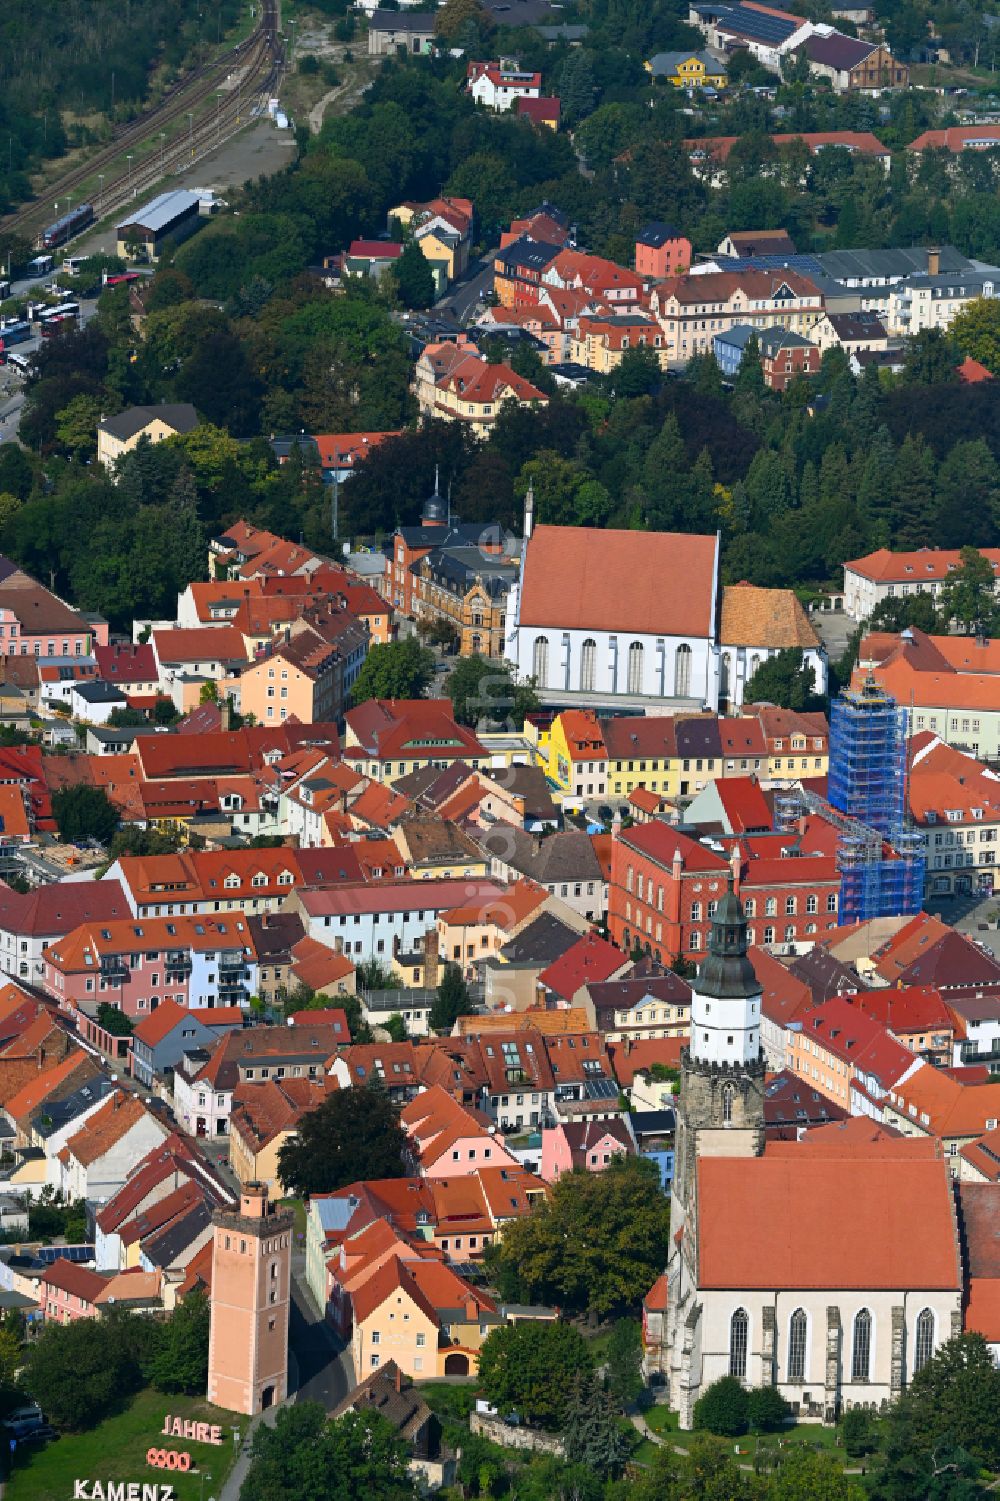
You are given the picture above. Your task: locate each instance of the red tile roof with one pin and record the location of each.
(588, 579)
(899, 1212)
(590, 958)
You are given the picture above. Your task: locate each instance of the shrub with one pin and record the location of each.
(723, 1408)
(768, 1409)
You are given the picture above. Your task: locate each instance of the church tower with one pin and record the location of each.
(720, 1114)
(251, 1288)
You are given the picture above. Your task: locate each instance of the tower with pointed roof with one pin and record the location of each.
(720, 1114)
(435, 511)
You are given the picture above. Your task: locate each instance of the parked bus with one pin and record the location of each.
(61, 310)
(15, 333)
(21, 362)
(64, 324)
(120, 278)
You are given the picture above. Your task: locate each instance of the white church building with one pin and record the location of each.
(828, 1267)
(598, 615)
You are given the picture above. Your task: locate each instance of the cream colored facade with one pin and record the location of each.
(400, 1330)
(926, 302)
(110, 448)
(260, 1165)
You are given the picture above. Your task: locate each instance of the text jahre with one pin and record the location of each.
(202, 1433)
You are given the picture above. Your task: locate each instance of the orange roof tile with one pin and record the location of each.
(764, 617)
(107, 1126)
(900, 1213)
(588, 579)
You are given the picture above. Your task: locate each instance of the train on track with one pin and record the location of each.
(65, 228)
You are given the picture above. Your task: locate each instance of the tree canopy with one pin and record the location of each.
(529, 1368)
(354, 1134)
(596, 1244)
(306, 1457)
(83, 812)
(394, 669)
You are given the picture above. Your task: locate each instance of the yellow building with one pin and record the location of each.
(578, 760)
(423, 1316)
(688, 70)
(120, 434)
(263, 1118)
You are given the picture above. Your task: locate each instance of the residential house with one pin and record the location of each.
(386, 738)
(692, 309)
(448, 1139)
(786, 356)
(421, 1315)
(688, 70)
(95, 1162)
(34, 622)
(931, 1102)
(848, 1056)
(650, 1002)
(590, 1145)
(849, 64)
(499, 85)
(949, 684)
(264, 1116)
(162, 1037)
(434, 848)
(886, 575)
(565, 863)
(577, 754)
(933, 301)
(589, 961)
(662, 251)
(121, 434)
(134, 965)
(205, 1080)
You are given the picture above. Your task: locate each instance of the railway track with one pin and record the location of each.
(238, 80)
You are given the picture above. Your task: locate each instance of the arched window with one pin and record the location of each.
(588, 665)
(754, 663)
(635, 667)
(540, 661)
(739, 1334)
(724, 675)
(797, 1329)
(728, 1093)
(682, 671)
(861, 1356)
(923, 1347)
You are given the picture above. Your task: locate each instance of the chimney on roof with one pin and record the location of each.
(933, 260)
(399, 1380)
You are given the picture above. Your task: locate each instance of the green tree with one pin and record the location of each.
(452, 1001)
(394, 669)
(805, 1475)
(625, 1362)
(785, 679)
(591, 1432)
(305, 1457)
(967, 594)
(976, 331)
(83, 812)
(596, 1244)
(900, 611)
(912, 491)
(767, 1410)
(723, 1408)
(455, 16)
(414, 277)
(76, 425)
(488, 688)
(77, 1372)
(354, 1134)
(113, 1020)
(180, 1362)
(856, 1431)
(396, 1028)
(932, 358)
(955, 1399)
(529, 1368)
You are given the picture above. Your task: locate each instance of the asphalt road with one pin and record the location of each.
(325, 1369)
(11, 382)
(461, 302)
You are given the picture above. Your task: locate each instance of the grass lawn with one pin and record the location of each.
(116, 1450)
(663, 1422)
(299, 1211)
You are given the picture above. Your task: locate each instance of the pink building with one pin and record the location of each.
(251, 1292)
(590, 1145)
(35, 622)
(200, 963)
(68, 1291)
(449, 1140)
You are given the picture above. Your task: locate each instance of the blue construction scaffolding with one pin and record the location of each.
(880, 856)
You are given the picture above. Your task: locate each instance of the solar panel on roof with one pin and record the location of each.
(601, 1089)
